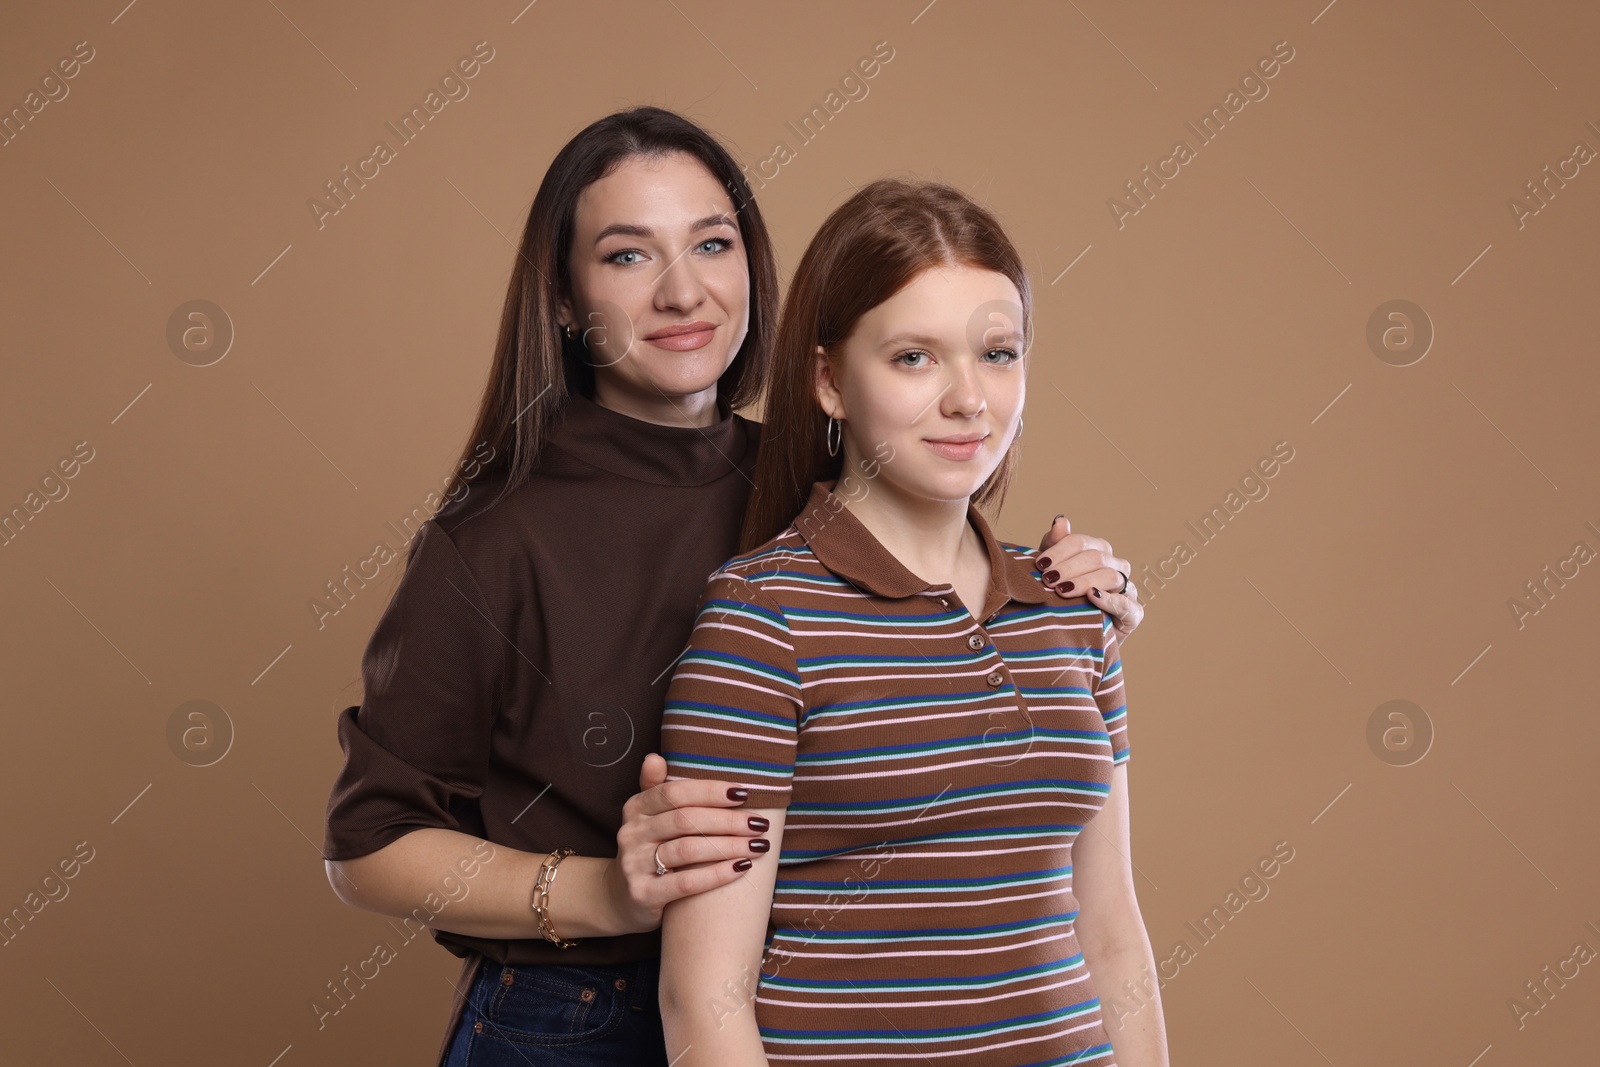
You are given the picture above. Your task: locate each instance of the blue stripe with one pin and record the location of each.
(1066, 963)
(719, 761)
(1058, 919)
(931, 1033)
(725, 711)
(755, 666)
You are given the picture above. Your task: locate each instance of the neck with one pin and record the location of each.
(692, 409)
(932, 538)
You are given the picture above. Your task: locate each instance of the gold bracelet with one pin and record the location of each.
(541, 897)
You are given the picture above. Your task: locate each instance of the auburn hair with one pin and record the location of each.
(870, 248)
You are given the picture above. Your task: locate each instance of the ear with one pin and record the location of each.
(827, 388)
(564, 315)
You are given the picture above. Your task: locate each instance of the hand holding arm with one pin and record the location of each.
(479, 889)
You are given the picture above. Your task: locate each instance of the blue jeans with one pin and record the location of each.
(544, 1015)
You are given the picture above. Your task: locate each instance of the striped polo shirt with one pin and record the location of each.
(937, 764)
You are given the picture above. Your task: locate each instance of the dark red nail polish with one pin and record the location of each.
(760, 844)
(1051, 577)
(741, 795)
(1095, 591)
(758, 824)
(1066, 587)
(741, 865)
(1044, 562)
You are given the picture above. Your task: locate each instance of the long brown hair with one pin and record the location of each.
(535, 367)
(870, 248)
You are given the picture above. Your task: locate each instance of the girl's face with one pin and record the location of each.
(656, 248)
(930, 383)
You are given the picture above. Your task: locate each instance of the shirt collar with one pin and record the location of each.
(846, 547)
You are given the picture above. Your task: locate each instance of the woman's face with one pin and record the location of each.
(656, 247)
(931, 383)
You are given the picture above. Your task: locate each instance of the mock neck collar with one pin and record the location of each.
(648, 451)
(844, 545)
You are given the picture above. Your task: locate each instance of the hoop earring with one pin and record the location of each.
(567, 331)
(835, 436)
(1019, 431)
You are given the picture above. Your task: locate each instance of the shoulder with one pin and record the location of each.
(770, 575)
(1027, 553)
(1078, 612)
(768, 565)
(471, 538)
(480, 503)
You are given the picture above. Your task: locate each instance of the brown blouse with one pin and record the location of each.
(515, 682)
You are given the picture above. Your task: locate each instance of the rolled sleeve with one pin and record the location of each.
(734, 704)
(416, 750)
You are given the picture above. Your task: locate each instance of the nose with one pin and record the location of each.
(679, 287)
(963, 398)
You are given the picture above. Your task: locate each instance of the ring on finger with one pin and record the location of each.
(1125, 582)
(661, 868)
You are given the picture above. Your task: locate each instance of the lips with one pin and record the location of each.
(958, 447)
(684, 337)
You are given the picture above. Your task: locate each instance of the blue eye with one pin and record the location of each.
(1010, 355)
(906, 357)
(723, 243)
(613, 257)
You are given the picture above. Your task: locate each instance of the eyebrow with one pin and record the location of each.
(912, 339)
(632, 230)
(924, 341)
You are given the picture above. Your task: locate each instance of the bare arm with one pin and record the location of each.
(1112, 933)
(473, 887)
(424, 874)
(710, 944)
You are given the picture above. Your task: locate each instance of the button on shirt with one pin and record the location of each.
(936, 763)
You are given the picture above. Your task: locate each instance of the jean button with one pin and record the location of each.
(587, 995)
(621, 983)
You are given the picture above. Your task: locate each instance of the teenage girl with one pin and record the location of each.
(938, 745)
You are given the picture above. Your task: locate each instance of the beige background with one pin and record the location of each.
(1229, 314)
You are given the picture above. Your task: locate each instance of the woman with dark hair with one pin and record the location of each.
(513, 686)
(925, 729)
